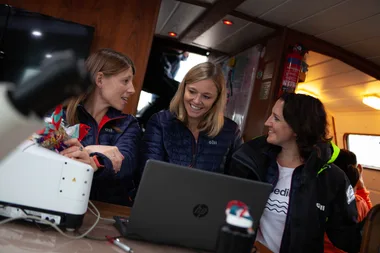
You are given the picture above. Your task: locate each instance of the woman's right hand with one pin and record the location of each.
(77, 152)
(112, 152)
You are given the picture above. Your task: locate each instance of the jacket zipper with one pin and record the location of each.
(194, 149)
(100, 128)
(97, 125)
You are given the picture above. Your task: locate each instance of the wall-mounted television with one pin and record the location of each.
(27, 38)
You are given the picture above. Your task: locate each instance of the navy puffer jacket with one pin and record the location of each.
(120, 130)
(168, 139)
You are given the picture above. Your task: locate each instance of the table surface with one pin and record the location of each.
(25, 237)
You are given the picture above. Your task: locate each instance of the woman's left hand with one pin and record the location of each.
(112, 152)
(77, 152)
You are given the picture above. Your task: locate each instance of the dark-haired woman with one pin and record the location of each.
(310, 195)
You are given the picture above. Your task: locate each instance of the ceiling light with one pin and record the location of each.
(305, 92)
(36, 33)
(48, 56)
(372, 101)
(207, 53)
(227, 22)
(172, 34)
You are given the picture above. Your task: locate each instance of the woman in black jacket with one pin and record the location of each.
(310, 195)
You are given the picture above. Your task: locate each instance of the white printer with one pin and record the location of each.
(40, 182)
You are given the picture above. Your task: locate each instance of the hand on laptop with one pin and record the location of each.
(112, 152)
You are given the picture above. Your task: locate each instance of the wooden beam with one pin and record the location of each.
(323, 47)
(256, 41)
(197, 3)
(217, 57)
(236, 14)
(208, 18)
(168, 42)
(255, 20)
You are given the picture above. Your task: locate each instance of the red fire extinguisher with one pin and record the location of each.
(292, 69)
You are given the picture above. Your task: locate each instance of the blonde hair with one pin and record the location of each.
(105, 60)
(213, 120)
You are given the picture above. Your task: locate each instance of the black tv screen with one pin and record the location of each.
(27, 38)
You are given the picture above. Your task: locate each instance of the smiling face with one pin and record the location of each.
(199, 98)
(280, 133)
(116, 89)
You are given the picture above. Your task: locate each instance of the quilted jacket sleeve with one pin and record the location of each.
(152, 144)
(342, 227)
(237, 142)
(128, 145)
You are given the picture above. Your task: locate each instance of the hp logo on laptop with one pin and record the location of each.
(200, 210)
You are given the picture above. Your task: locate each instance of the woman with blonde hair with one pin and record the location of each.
(112, 140)
(194, 131)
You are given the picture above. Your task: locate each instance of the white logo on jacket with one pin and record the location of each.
(350, 194)
(321, 207)
(110, 130)
(212, 142)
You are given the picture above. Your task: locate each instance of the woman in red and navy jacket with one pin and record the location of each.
(111, 143)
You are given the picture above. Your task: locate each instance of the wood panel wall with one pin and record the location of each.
(123, 25)
(260, 105)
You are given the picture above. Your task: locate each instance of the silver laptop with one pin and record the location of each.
(184, 206)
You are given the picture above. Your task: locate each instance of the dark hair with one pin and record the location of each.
(307, 117)
(347, 162)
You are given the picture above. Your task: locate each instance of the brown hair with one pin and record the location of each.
(213, 120)
(105, 60)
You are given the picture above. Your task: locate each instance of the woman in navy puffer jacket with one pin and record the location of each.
(112, 142)
(194, 132)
